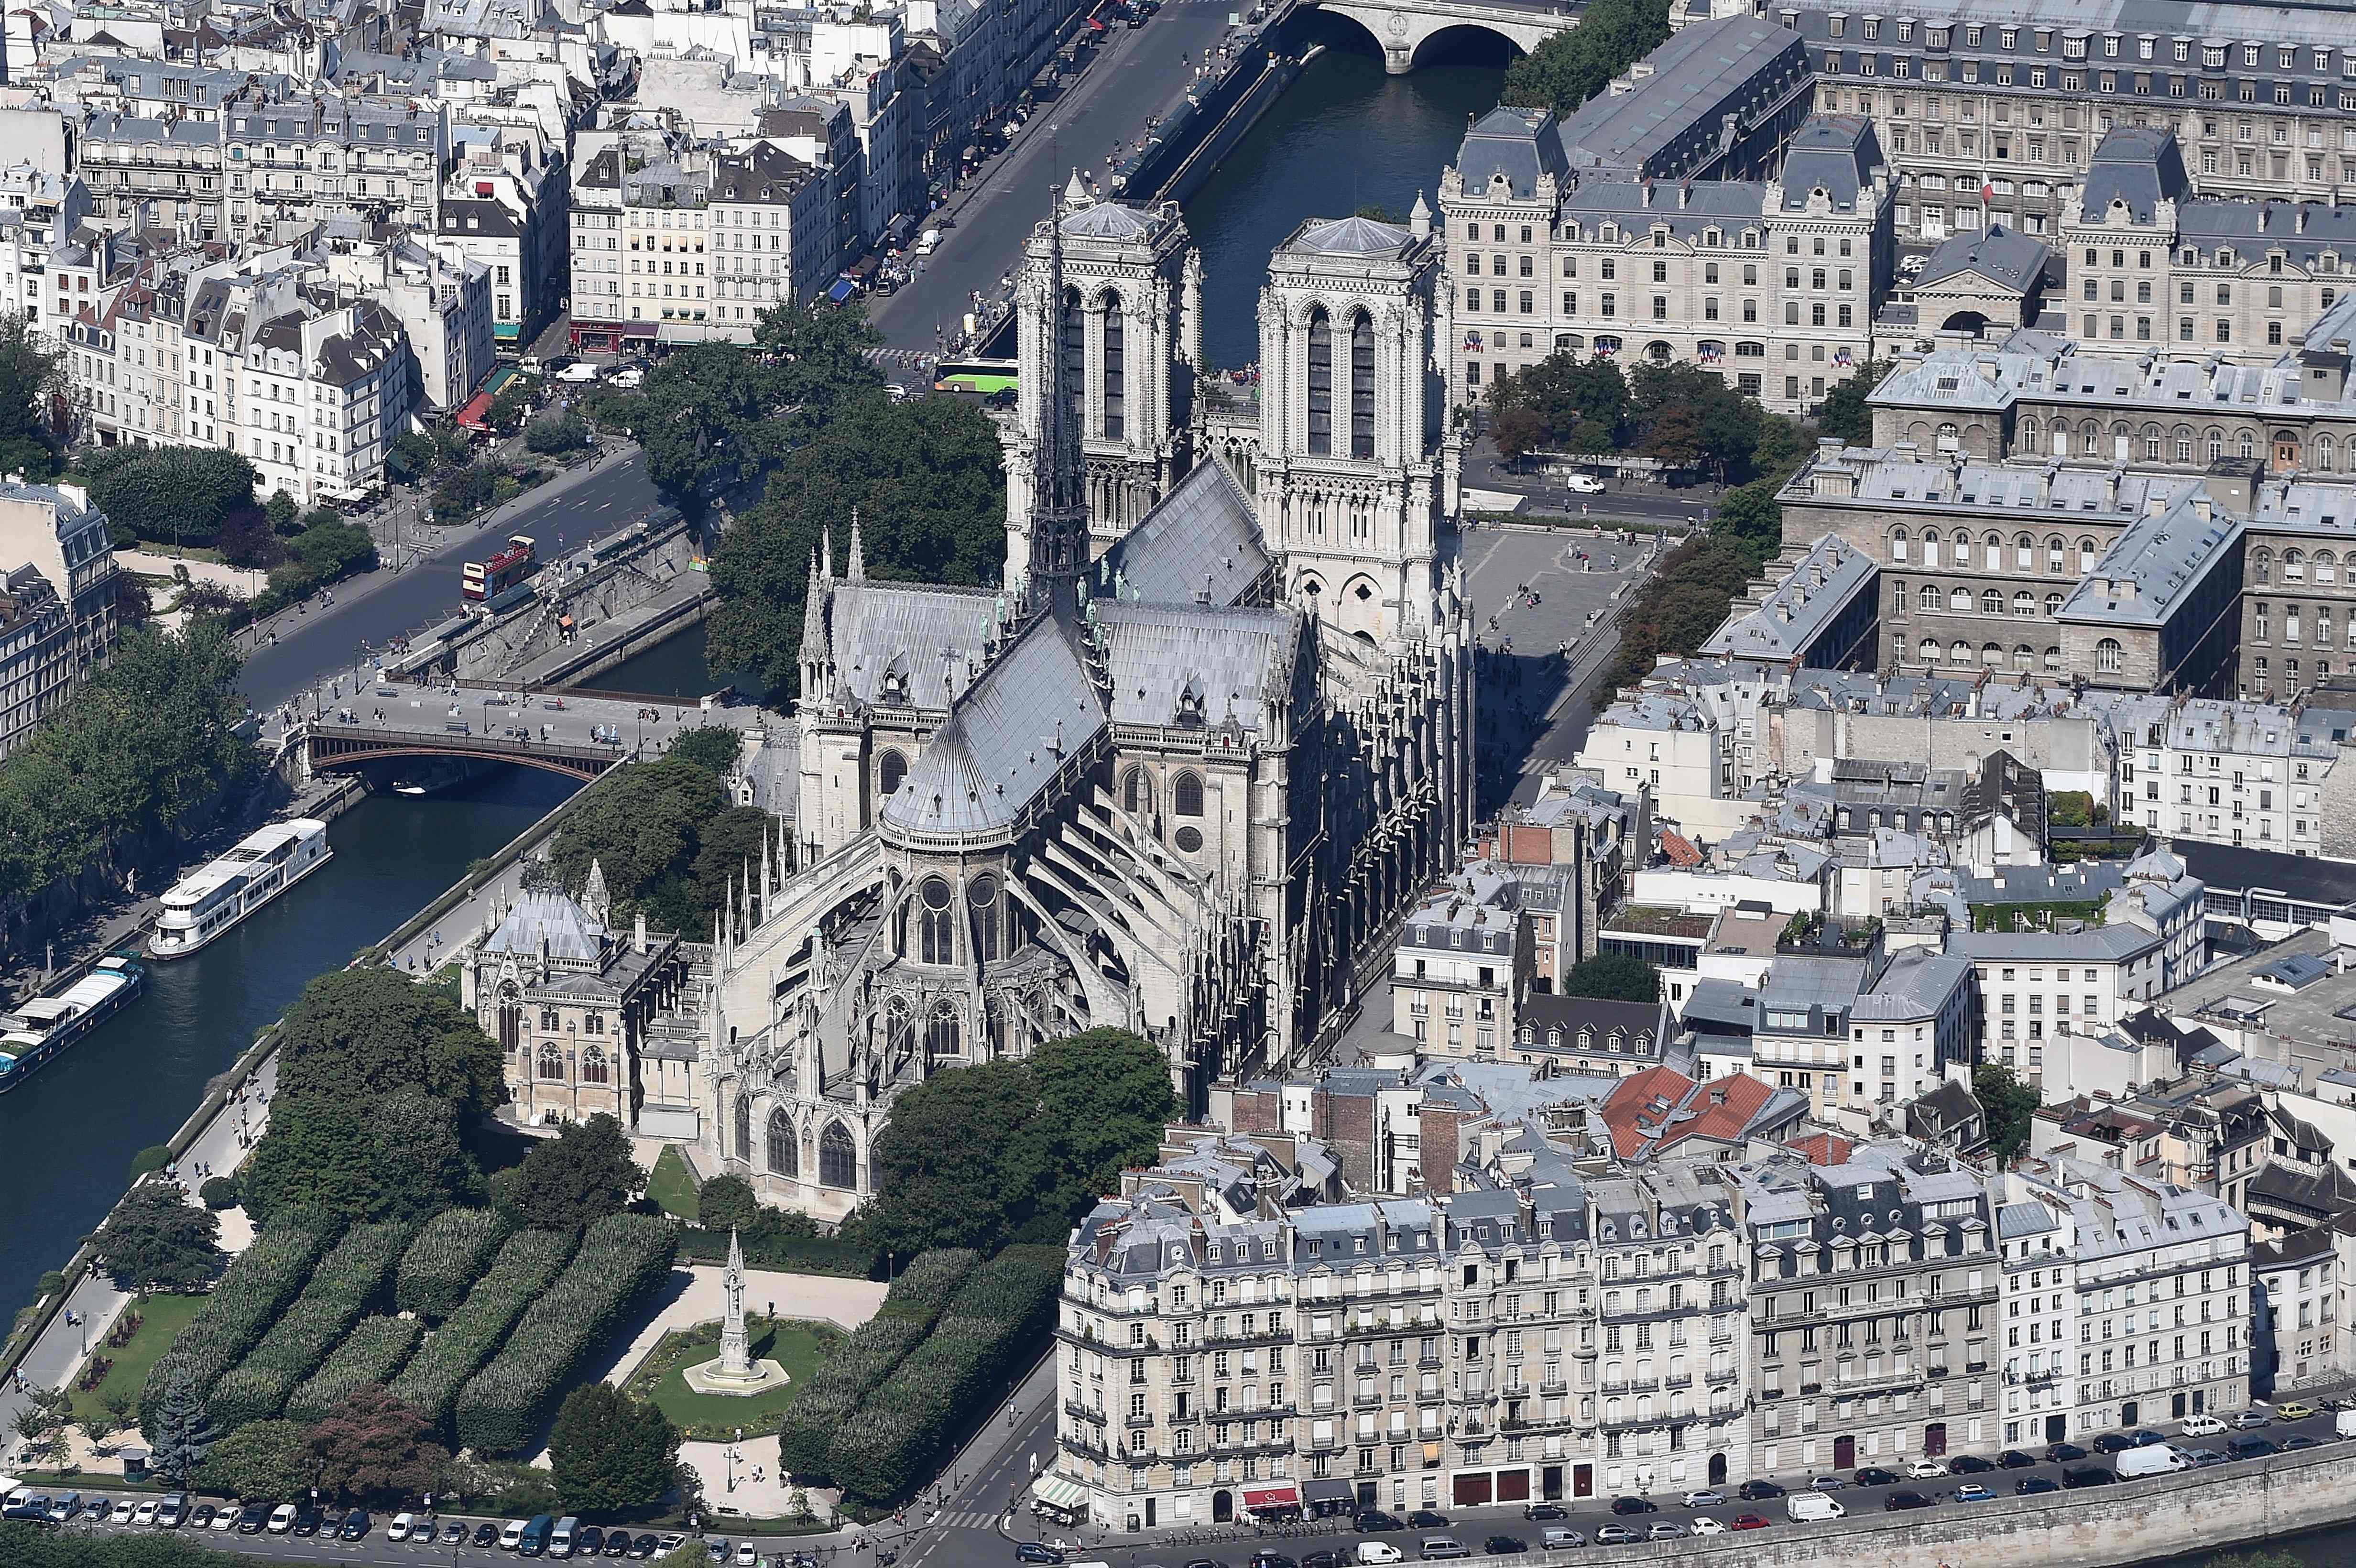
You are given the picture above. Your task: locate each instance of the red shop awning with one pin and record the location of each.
(1257, 1499)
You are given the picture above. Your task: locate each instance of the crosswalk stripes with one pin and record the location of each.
(966, 1519)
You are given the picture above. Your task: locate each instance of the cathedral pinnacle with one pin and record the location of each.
(1076, 192)
(858, 572)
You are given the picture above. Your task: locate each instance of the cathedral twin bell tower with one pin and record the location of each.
(1338, 433)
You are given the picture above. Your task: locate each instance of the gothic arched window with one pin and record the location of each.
(1321, 383)
(595, 1067)
(1362, 385)
(890, 769)
(784, 1148)
(1137, 792)
(1186, 794)
(745, 1127)
(943, 1037)
(936, 945)
(837, 1160)
(1114, 364)
(551, 1061)
(1076, 339)
(983, 894)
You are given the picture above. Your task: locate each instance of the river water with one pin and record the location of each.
(1344, 136)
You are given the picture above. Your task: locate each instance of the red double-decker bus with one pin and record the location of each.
(487, 579)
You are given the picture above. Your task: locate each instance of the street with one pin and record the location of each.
(1137, 73)
(379, 605)
(967, 1538)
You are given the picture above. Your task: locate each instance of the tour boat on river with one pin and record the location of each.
(40, 1028)
(206, 903)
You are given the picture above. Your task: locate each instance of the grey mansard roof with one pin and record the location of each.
(1995, 253)
(1177, 665)
(1836, 154)
(882, 628)
(546, 921)
(2137, 165)
(1520, 144)
(1350, 237)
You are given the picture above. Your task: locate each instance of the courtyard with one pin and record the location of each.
(796, 1345)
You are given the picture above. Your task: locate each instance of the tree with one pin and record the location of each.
(925, 476)
(284, 516)
(179, 1434)
(100, 1424)
(41, 1424)
(726, 847)
(1565, 392)
(121, 1401)
(1572, 67)
(714, 747)
(583, 1173)
(612, 1454)
(820, 357)
(1614, 977)
(1752, 515)
(220, 1192)
(558, 429)
(726, 1204)
(261, 1459)
(370, 1030)
(705, 420)
(33, 390)
(1846, 414)
(374, 1448)
(2010, 1106)
(957, 1165)
(1516, 432)
(1676, 438)
(156, 1240)
(1107, 1093)
(645, 827)
(181, 494)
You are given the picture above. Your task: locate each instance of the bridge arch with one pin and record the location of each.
(1402, 28)
(329, 750)
(1467, 38)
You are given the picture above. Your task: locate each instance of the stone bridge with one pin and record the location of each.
(1402, 28)
(576, 733)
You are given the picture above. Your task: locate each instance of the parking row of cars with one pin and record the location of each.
(542, 1536)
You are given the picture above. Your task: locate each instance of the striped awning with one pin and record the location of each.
(1056, 1491)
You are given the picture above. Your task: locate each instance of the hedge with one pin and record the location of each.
(371, 1353)
(988, 1336)
(829, 1395)
(787, 1254)
(526, 1266)
(623, 1259)
(353, 1278)
(248, 1298)
(448, 1257)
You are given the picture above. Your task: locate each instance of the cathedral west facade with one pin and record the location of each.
(1172, 772)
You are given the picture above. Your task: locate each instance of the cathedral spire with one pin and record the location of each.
(858, 551)
(826, 552)
(1059, 517)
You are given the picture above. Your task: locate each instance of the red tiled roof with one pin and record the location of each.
(1644, 1110)
(1823, 1148)
(1679, 848)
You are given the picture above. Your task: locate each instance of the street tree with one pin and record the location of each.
(374, 1448)
(40, 1425)
(726, 1204)
(612, 1454)
(33, 390)
(156, 1240)
(369, 1030)
(181, 1434)
(714, 747)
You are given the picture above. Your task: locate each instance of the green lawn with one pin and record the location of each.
(797, 1345)
(161, 1318)
(673, 1185)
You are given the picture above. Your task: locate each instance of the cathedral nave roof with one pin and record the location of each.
(1201, 539)
(1175, 665)
(914, 631)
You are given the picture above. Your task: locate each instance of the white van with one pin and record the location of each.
(1374, 1552)
(1807, 1507)
(2151, 1459)
(930, 242)
(560, 1543)
(512, 1536)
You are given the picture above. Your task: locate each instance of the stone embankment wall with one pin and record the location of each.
(2135, 1521)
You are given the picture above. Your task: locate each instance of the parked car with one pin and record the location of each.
(1561, 1538)
(2078, 1476)
(202, 1518)
(487, 1535)
(1438, 1548)
(1625, 1506)
(2250, 1420)
(1617, 1535)
(1370, 1521)
(2248, 1447)
(1544, 1511)
(2296, 1410)
(282, 1518)
(1827, 1484)
(1875, 1476)
(307, 1519)
(252, 1521)
(2028, 1485)
(1425, 1519)
(2143, 1437)
(589, 1543)
(1925, 1470)
(2203, 1458)
(2013, 1459)
(174, 1511)
(145, 1512)
(2114, 1443)
(355, 1526)
(1969, 1464)
(1704, 1500)
(1505, 1546)
(1749, 1522)
(2062, 1453)
(1666, 1530)
(1758, 1491)
(2299, 1440)
(125, 1509)
(454, 1534)
(1972, 1492)
(1899, 1502)
(1706, 1525)
(646, 1545)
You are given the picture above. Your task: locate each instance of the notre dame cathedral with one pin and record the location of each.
(1177, 769)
